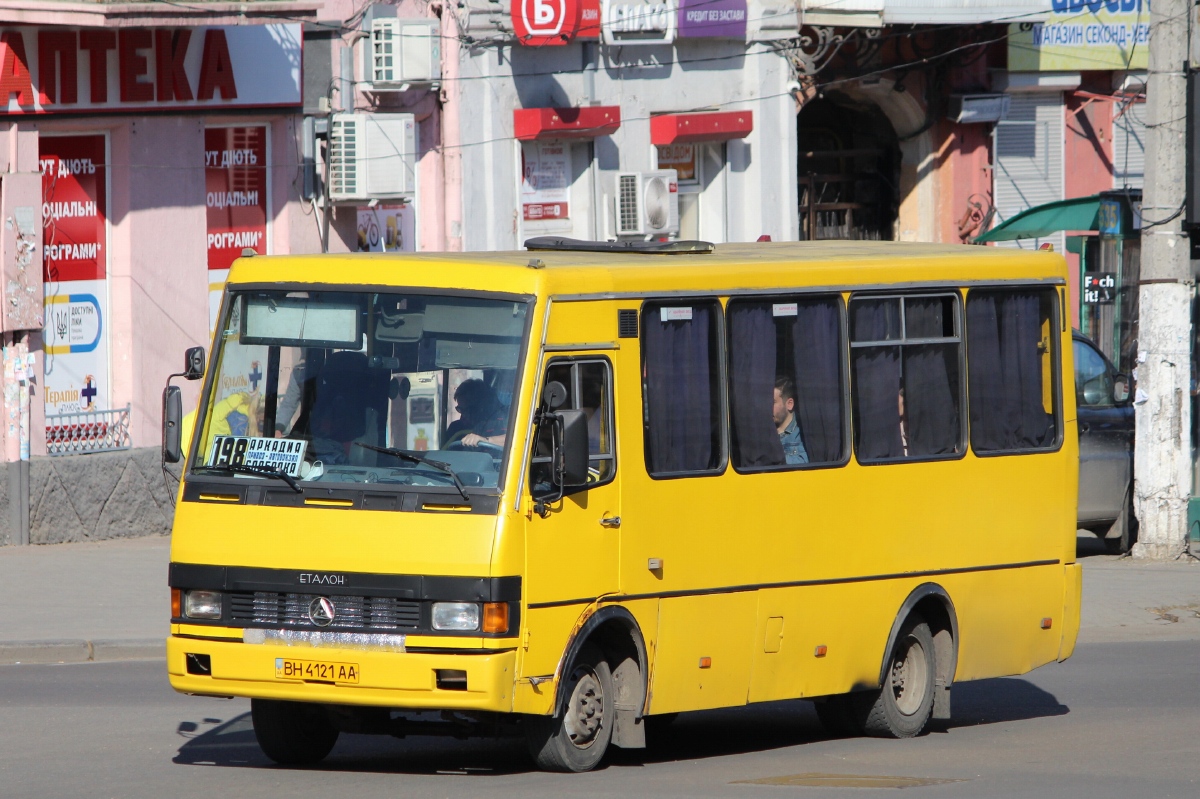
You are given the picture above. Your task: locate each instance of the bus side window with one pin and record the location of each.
(786, 397)
(906, 378)
(1008, 348)
(589, 389)
(681, 371)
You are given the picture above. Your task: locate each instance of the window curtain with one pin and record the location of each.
(931, 399)
(681, 431)
(752, 348)
(1005, 371)
(876, 382)
(930, 380)
(817, 348)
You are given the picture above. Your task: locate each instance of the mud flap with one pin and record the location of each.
(941, 699)
(630, 729)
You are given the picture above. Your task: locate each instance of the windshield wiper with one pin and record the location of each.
(261, 471)
(444, 468)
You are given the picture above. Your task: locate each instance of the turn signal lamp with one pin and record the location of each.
(495, 617)
(176, 603)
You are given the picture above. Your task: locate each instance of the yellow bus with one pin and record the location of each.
(565, 490)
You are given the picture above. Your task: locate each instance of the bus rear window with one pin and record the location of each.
(1010, 368)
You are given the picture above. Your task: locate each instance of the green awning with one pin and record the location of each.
(1078, 214)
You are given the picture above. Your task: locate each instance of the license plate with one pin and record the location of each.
(316, 670)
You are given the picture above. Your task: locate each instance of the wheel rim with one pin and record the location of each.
(910, 673)
(585, 714)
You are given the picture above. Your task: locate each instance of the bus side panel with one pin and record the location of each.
(695, 630)
(851, 622)
(1072, 605)
(547, 633)
(1000, 617)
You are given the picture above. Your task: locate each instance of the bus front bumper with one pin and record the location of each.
(383, 679)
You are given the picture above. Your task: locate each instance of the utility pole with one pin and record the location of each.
(1163, 451)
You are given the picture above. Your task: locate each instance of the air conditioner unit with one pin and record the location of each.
(648, 203)
(372, 156)
(402, 54)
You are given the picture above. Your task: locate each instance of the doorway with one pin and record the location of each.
(849, 166)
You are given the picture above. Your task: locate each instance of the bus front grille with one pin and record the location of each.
(351, 612)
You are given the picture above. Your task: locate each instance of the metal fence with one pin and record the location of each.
(87, 431)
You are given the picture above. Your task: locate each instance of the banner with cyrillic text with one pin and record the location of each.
(75, 273)
(235, 183)
(63, 70)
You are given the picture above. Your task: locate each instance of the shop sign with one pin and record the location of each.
(235, 186)
(387, 228)
(681, 158)
(589, 20)
(75, 273)
(61, 70)
(1099, 288)
(1083, 35)
(545, 180)
(545, 22)
(712, 19)
(629, 22)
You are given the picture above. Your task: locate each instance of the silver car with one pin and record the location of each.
(1105, 448)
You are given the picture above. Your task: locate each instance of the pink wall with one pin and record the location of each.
(963, 169)
(964, 162)
(1088, 155)
(158, 279)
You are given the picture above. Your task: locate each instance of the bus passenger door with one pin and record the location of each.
(571, 552)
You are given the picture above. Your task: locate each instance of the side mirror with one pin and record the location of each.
(574, 449)
(1098, 391)
(1120, 388)
(554, 395)
(193, 363)
(172, 415)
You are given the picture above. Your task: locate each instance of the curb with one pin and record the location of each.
(81, 651)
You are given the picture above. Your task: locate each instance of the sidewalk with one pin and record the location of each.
(108, 600)
(69, 603)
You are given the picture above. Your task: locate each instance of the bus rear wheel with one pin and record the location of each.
(292, 733)
(902, 707)
(577, 740)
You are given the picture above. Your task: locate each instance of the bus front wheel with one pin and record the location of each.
(292, 733)
(902, 707)
(577, 740)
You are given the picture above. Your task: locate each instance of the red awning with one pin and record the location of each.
(707, 126)
(588, 122)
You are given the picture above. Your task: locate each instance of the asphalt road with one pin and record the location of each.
(1117, 720)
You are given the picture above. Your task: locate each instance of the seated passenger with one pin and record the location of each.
(783, 411)
(482, 418)
(339, 407)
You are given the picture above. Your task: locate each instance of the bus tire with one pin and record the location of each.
(902, 706)
(292, 733)
(838, 715)
(576, 740)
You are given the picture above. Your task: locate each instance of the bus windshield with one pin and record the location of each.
(395, 389)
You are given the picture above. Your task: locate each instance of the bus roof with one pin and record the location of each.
(730, 267)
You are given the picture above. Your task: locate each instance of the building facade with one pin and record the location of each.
(146, 149)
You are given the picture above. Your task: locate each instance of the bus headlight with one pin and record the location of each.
(202, 604)
(455, 616)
